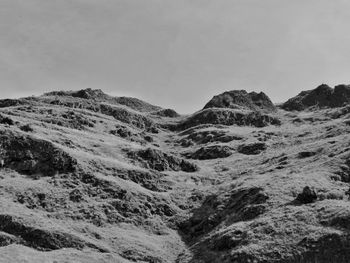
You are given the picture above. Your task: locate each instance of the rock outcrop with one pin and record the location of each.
(32, 156)
(229, 117)
(321, 97)
(240, 99)
(87, 177)
(99, 95)
(160, 161)
(252, 148)
(211, 152)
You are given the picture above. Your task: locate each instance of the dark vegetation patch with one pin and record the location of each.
(136, 256)
(26, 128)
(341, 169)
(329, 248)
(6, 120)
(11, 102)
(307, 196)
(306, 154)
(40, 239)
(32, 156)
(232, 206)
(160, 161)
(151, 180)
(170, 113)
(228, 117)
(211, 152)
(129, 134)
(252, 148)
(203, 137)
(100, 201)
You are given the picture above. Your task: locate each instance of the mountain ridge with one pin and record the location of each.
(85, 178)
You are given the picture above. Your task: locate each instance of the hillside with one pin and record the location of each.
(87, 177)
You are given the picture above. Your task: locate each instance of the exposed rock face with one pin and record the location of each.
(29, 155)
(252, 148)
(212, 152)
(203, 137)
(240, 99)
(321, 97)
(157, 160)
(307, 196)
(228, 117)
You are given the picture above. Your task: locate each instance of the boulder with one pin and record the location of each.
(307, 196)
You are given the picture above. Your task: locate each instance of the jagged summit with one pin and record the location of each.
(241, 99)
(84, 94)
(99, 95)
(322, 97)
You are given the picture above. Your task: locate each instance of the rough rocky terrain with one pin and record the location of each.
(240, 99)
(321, 97)
(86, 177)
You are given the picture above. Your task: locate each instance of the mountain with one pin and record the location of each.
(87, 177)
(99, 95)
(321, 97)
(241, 99)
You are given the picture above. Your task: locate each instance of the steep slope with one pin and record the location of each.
(86, 179)
(321, 97)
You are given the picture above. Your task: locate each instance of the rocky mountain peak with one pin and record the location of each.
(321, 97)
(241, 99)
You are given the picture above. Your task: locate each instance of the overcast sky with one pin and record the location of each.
(174, 53)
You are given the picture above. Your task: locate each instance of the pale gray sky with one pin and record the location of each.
(174, 53)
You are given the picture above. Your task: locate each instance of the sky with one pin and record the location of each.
(173, 53)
